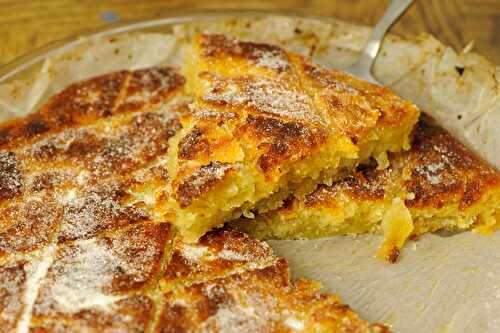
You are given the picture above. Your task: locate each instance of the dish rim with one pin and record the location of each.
(24, 62)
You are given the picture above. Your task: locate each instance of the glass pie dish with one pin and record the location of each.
(442, 283)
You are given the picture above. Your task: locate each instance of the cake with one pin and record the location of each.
(265, 123)
(438, 184)
(86, 246)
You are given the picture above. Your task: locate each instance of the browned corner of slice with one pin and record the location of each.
(266, 123)
(88, 101)
(437, 184)
(443, 170)
(230, 282)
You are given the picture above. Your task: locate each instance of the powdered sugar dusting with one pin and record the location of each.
(432, 172)
(32, 224)
(10, 177)
(100, 259)
(237, 318)
(12, 286)
(263, 95)
(274, 59)
(150, 83)
(231, 316)
(96, 273)
(262, 55)
(84, 213)
(36, 273)
(294, 323)
(200, 181)
(215, 171)
(193, 253)
(67, 196)
(94, 152)
(79, 279)
(231, 255)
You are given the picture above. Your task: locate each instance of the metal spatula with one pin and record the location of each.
(362, 67)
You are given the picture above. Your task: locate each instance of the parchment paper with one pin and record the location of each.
(440, 284)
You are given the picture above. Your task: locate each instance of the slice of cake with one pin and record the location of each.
(228, 282)
(265, 123)
(84, 244)
(438, 184)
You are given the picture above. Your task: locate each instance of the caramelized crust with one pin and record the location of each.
(88, 101)
(349, 97)
(129, 314)
(28, 225)
(12, 289)
(365, 184)
(95, 148)
(218, 47)
(75, 183)
(95, 272)
(219, 253)
(261, 300)
(201, 181)
(10, 180)
(281, 141)
(84, 244)
(443, 170)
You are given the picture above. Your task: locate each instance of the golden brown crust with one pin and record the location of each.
(89, 282)
(112, 147)
(194, 144)
(87, 101)
(131, 314)
(101, 208)
(200, 181)
(365, 102)
(271, 57)
(90, 99)
(12, 288)
(10, 177)
(81, 239)
(28, 225)
(268, 112)
(218, 253)
(345, 104)
(282, 141)
(258, 95)
(261, 300)
(443, 170)
(73, 184)
(366, 184)
(252, 108)
(121, 263)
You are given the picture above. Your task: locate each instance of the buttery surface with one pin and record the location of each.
(83, 243)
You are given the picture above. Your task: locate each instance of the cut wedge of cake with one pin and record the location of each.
(84, 244)
(265, 123)
(438, 184)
